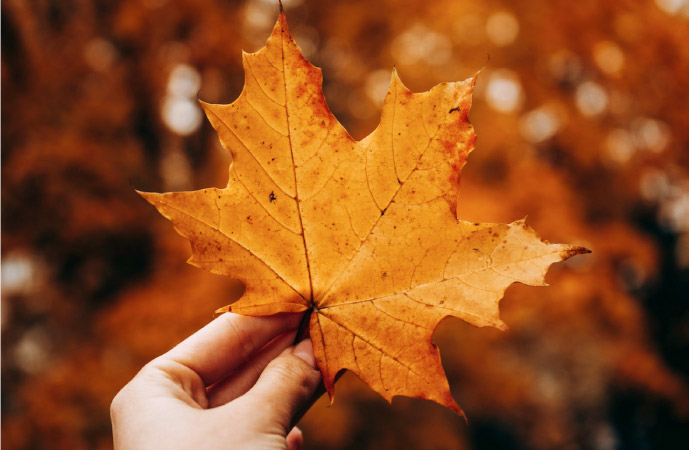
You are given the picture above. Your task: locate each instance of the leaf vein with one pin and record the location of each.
(248, 102)
(217, 228)
(377, 348)
(234, 133)
(251, 71)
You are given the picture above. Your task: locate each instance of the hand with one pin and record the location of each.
(236, 383)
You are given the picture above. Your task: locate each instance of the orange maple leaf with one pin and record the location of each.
(363, 236)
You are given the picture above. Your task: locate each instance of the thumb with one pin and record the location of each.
(287, 385)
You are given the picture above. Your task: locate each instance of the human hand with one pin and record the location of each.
(236, 383)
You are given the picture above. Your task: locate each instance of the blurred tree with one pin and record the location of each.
(580, 115)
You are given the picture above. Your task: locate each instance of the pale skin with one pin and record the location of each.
(238, 383)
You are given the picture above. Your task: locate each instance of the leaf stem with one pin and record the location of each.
(303, 329)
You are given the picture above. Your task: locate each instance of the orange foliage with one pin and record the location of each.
(363, 236)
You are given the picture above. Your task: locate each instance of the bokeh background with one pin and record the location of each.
(582, 123)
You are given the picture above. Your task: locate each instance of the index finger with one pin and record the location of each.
(223, 345)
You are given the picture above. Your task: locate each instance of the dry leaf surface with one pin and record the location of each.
(363, 236)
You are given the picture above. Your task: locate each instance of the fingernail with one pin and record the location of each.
(304, 350)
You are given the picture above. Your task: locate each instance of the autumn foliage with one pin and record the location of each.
(361, 236)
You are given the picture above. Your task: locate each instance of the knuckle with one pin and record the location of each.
(287, 369)
(123, 399)
(117, 403)
(291, 370)
(244, 339)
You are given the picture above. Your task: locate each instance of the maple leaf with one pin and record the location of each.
(363, 236)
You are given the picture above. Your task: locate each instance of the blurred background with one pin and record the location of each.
(582, 123)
